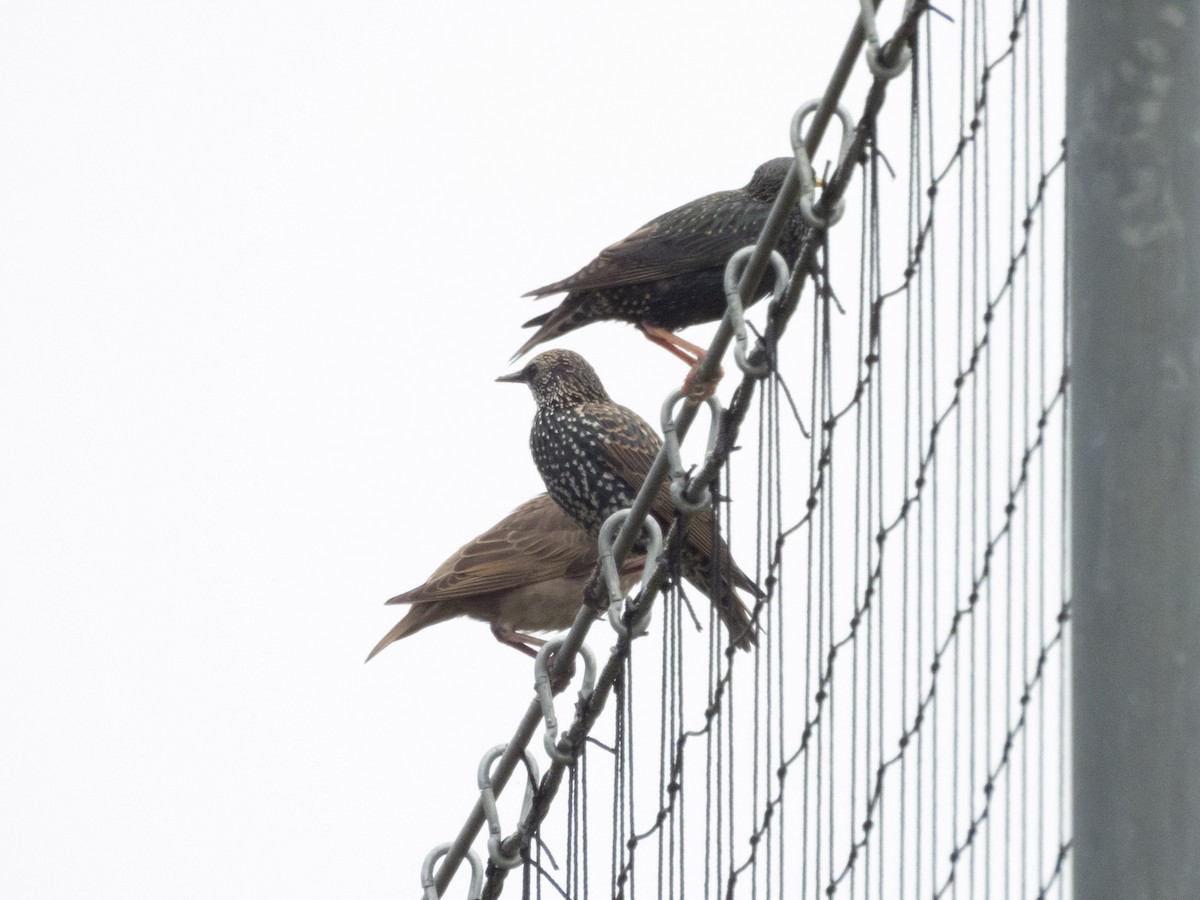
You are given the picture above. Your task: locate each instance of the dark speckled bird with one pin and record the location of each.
(594, 454)
(670, 273)
(525, 573)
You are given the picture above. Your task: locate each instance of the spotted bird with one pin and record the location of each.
(594, 454)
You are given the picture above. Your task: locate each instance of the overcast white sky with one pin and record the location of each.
(261, 262)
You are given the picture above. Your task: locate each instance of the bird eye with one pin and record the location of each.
(531, 371)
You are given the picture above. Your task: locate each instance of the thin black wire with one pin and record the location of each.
(972, 600)
(930, 459)
(863, 306)
(911, 353)
(824, 573)
(1006, 755)
(960, 381)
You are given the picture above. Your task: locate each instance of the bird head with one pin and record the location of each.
(768, 179)
(559, 378)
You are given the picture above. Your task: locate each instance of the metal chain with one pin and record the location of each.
(878, 69)
(545, 695)
(734, 311)
(427, 881)
(755, 267)
(808, 178)
(488, 795)
(679, 479)
(612, 580)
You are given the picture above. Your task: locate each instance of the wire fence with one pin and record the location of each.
(894, 460)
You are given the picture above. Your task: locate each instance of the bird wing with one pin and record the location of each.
(537, 542)
(630, 446)
(698, 235)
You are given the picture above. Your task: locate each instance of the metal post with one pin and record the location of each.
(1133, 207)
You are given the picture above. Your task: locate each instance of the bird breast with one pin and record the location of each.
(567, 449)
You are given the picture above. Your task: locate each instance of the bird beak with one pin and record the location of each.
(517, 377)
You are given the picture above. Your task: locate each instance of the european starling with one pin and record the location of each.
(670, 273)
(594, 454)
(525, 573)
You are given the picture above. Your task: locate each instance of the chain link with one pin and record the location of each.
(808, 178)
(488, 796)
(679, 479)
(541, 684)
(878, 69)
(476, 890)
(736, 314)
(612, 580)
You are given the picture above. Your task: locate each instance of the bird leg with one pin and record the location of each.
(691, 354)
(522, 642)
(673, 343)
(526, 643)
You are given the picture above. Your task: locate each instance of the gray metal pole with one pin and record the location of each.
(1133, 202)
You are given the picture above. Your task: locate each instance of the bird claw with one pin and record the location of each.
(594, 595)
(699, 390)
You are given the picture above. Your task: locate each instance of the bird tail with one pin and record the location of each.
(733, 611)
(566, 317)
(420, 616)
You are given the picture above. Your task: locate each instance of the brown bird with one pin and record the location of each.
(594, 454)
(525, 573)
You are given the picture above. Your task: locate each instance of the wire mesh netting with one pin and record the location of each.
(899, 730)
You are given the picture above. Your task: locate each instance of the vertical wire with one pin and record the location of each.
(730, 703)
(674, 788)
(989, 643)
(873, 374)
(1025, 526)
(825, 599)
(877, 529)
(778, 606)
(709, 757)
(933, 382)
(585, 862)
(1011, 427)
(679, 698)
(1064, 586)
(810, 658)
(762, 749)
(631, 780)
(827, 520)
(718, 862)
(914, 214)
(1041, 517)
(962, 292)
(863, 313)
(618, 840)
(664, 730)
(976, 468)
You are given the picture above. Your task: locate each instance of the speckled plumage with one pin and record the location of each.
(594, 454)
(525, 573)
(670, 273)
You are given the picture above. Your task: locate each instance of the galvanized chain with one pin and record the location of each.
(593, 696)
(808, 178)
(679, 479)
(735, 313)
(488, 795)
(879, 69)
(545, 695)
(427, 880)
(608, 568)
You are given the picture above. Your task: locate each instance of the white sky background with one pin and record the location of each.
(261, 262)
